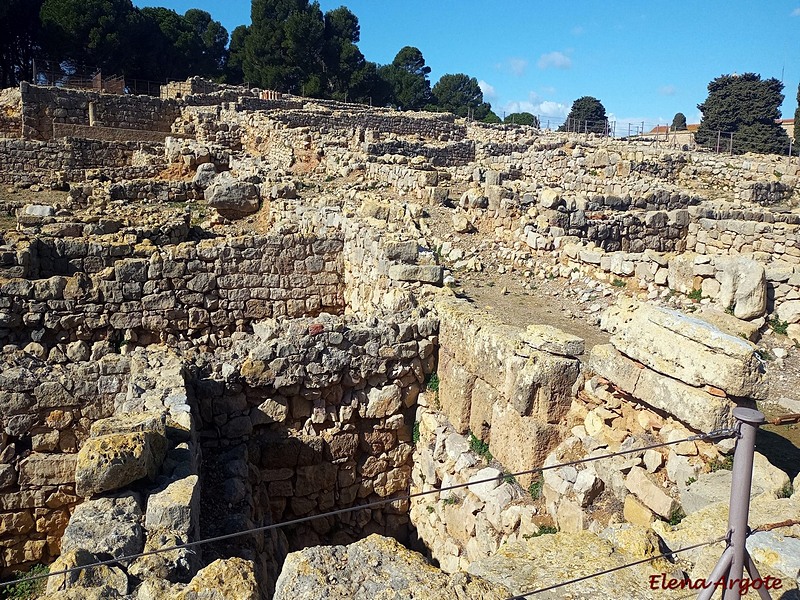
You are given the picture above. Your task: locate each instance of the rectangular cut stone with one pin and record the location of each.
(47, 469)
(692, 406)
(424, 273)
(649, 493)
(685, 348)
(553, 340)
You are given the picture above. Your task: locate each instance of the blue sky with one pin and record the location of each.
(644, 60)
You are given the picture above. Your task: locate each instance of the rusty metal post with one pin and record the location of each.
(733, 561)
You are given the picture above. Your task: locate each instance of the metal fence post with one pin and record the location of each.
(733, 561)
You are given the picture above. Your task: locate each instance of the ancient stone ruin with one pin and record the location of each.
(224, 310)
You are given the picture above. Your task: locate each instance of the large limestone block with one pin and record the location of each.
(716, 487)
(552, 559)
(690, 405)
(424, 273)
(540, 385)
(744, 286)
(551, 339)
(680, 273)
(520, 443)
(106, 581)
(651, 495)
(789, 311)
(106, 526)
(111, 462)
(456, 385)
(224, 579)
(375, 567)
(175, 507)
(729, 324)
(685, 348)
(232, 198)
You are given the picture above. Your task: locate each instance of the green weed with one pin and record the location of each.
(778, 326)
(480, 448)
(26, 589)
(543, 530)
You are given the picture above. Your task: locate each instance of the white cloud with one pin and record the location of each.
(555, 60)
(518, 66)
(489, 93)
(578, 30)
(546, 108)
(796, 12)
(667, 90)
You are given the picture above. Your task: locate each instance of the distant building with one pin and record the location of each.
(687, 136)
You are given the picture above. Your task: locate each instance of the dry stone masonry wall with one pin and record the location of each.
(309, 360)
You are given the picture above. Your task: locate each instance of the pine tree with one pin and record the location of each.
(587, 115)
(746, 107)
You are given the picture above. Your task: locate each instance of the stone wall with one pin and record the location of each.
(124, 290)
(10, 113)
(461, 526)
(44, 106)
(323, 410)
(591, 165)
(46, 416)
(508, 387)
(451, 155)
(440, 126)
(21, 160)
(110, 134)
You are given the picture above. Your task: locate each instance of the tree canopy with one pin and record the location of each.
(587, 114)
(797, 123)
(678, 122)
(91, 32)
(19, 38)
(407, 79)
(746, 107)
(289, 46)
(522, 118)
(461, 95)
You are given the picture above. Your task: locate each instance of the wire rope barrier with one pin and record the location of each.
(716, 434)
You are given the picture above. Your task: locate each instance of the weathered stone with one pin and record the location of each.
(649, 493)
(552, 339)
(525, 566)
(730, 324)
(375, 567)
(47, 469)
(109, 582)
(204, 175)
(175, 508)
(461, 223)
(383, 402)
(693, 406)
(685, 348)
(716, 487)
(482, 488)
(110, 462)
(232, 198)
(432, 274)
(224, 579)
(105, 526)
(744, 287)
(789, 311)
